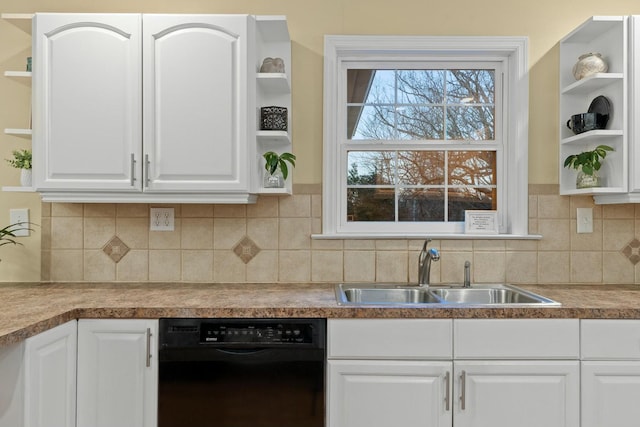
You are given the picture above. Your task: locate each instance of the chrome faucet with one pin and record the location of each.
(467, 275)
(424, 263)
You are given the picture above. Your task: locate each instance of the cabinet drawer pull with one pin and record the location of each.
(133, 169)
(148, 347)
(447, 392)
(463, 381)
(146, 170)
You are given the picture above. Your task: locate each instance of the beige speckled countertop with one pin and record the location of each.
(30, 308)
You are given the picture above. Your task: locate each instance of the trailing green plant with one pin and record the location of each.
(21, 159)
(8, 233)
(588, 161)
(273, 161)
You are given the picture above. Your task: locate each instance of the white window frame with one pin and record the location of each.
(513, 186)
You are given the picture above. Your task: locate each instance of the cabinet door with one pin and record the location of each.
(610, 394)
(634, 103)
(523, 394)
(365, 393)
(50, 377)
(87, 101)
(117, 373)
(196, 103)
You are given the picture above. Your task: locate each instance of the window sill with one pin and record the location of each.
(461, 236)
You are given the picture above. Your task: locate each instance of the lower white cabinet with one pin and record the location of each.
(610, 386)
(517, 372)
(117, 373)
(610, 394)
(407, 372)
(517, 393)
(389, 372)
(372, 393)
(50, 377)
(38, 380)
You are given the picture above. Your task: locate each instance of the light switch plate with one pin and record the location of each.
(584, 220)
(162, 219)
(20, 215)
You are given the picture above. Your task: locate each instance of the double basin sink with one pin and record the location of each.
(440, 295)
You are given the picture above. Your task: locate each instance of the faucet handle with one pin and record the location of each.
(467, 274)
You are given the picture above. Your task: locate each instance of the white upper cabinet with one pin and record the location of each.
(87, 101)
(151, 108)
(195, 102)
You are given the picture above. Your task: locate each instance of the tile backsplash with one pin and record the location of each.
(270, 241)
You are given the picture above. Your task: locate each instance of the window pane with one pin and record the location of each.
(421, 205)
(370, 86)
(461, 199)
(421, 167)
(371, 168)
(371, 122)
(416, 122)
(420, 86)
(472, 168)
(370, 204)
(471, 86)
(470, 123)
(411, 104)
(382, 89)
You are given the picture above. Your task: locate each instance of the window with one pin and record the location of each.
(420, 129)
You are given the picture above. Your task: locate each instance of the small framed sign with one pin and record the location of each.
(481, 222)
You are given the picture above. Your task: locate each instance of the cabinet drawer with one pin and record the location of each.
(610, 339)
(516, 339)
(389, 338)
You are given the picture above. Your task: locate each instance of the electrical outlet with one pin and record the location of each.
(161, 219)
(22, 216)
(584, 220)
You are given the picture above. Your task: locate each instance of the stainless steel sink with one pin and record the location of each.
(383, 294)
(489, 294)
(447, 295)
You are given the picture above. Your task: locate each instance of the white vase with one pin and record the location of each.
(25, 177)
(588, 64)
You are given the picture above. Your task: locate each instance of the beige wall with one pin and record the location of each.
(544, 22)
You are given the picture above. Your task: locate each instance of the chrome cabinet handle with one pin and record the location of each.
(463, 381)
(148, 347)
(133, 169)
(146, 170)
(447, 392)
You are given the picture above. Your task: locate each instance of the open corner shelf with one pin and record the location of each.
(20, 20)
(26, 133)
(275, 191)
(593, 83)
(19, 189)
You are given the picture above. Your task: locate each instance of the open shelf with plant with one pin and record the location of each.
(23, 21)
(594, 65)
(273, 89)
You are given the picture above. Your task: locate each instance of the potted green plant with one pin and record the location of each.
(22, 160)
(588, 163)
(8, 233)
(276, 168)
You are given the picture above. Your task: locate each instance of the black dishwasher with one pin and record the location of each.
(241, 373)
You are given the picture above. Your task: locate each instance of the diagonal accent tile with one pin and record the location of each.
(632, 251)
(246, 249)
(116, 249)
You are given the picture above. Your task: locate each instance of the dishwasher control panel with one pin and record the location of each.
(241, 333)
(255, 333)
